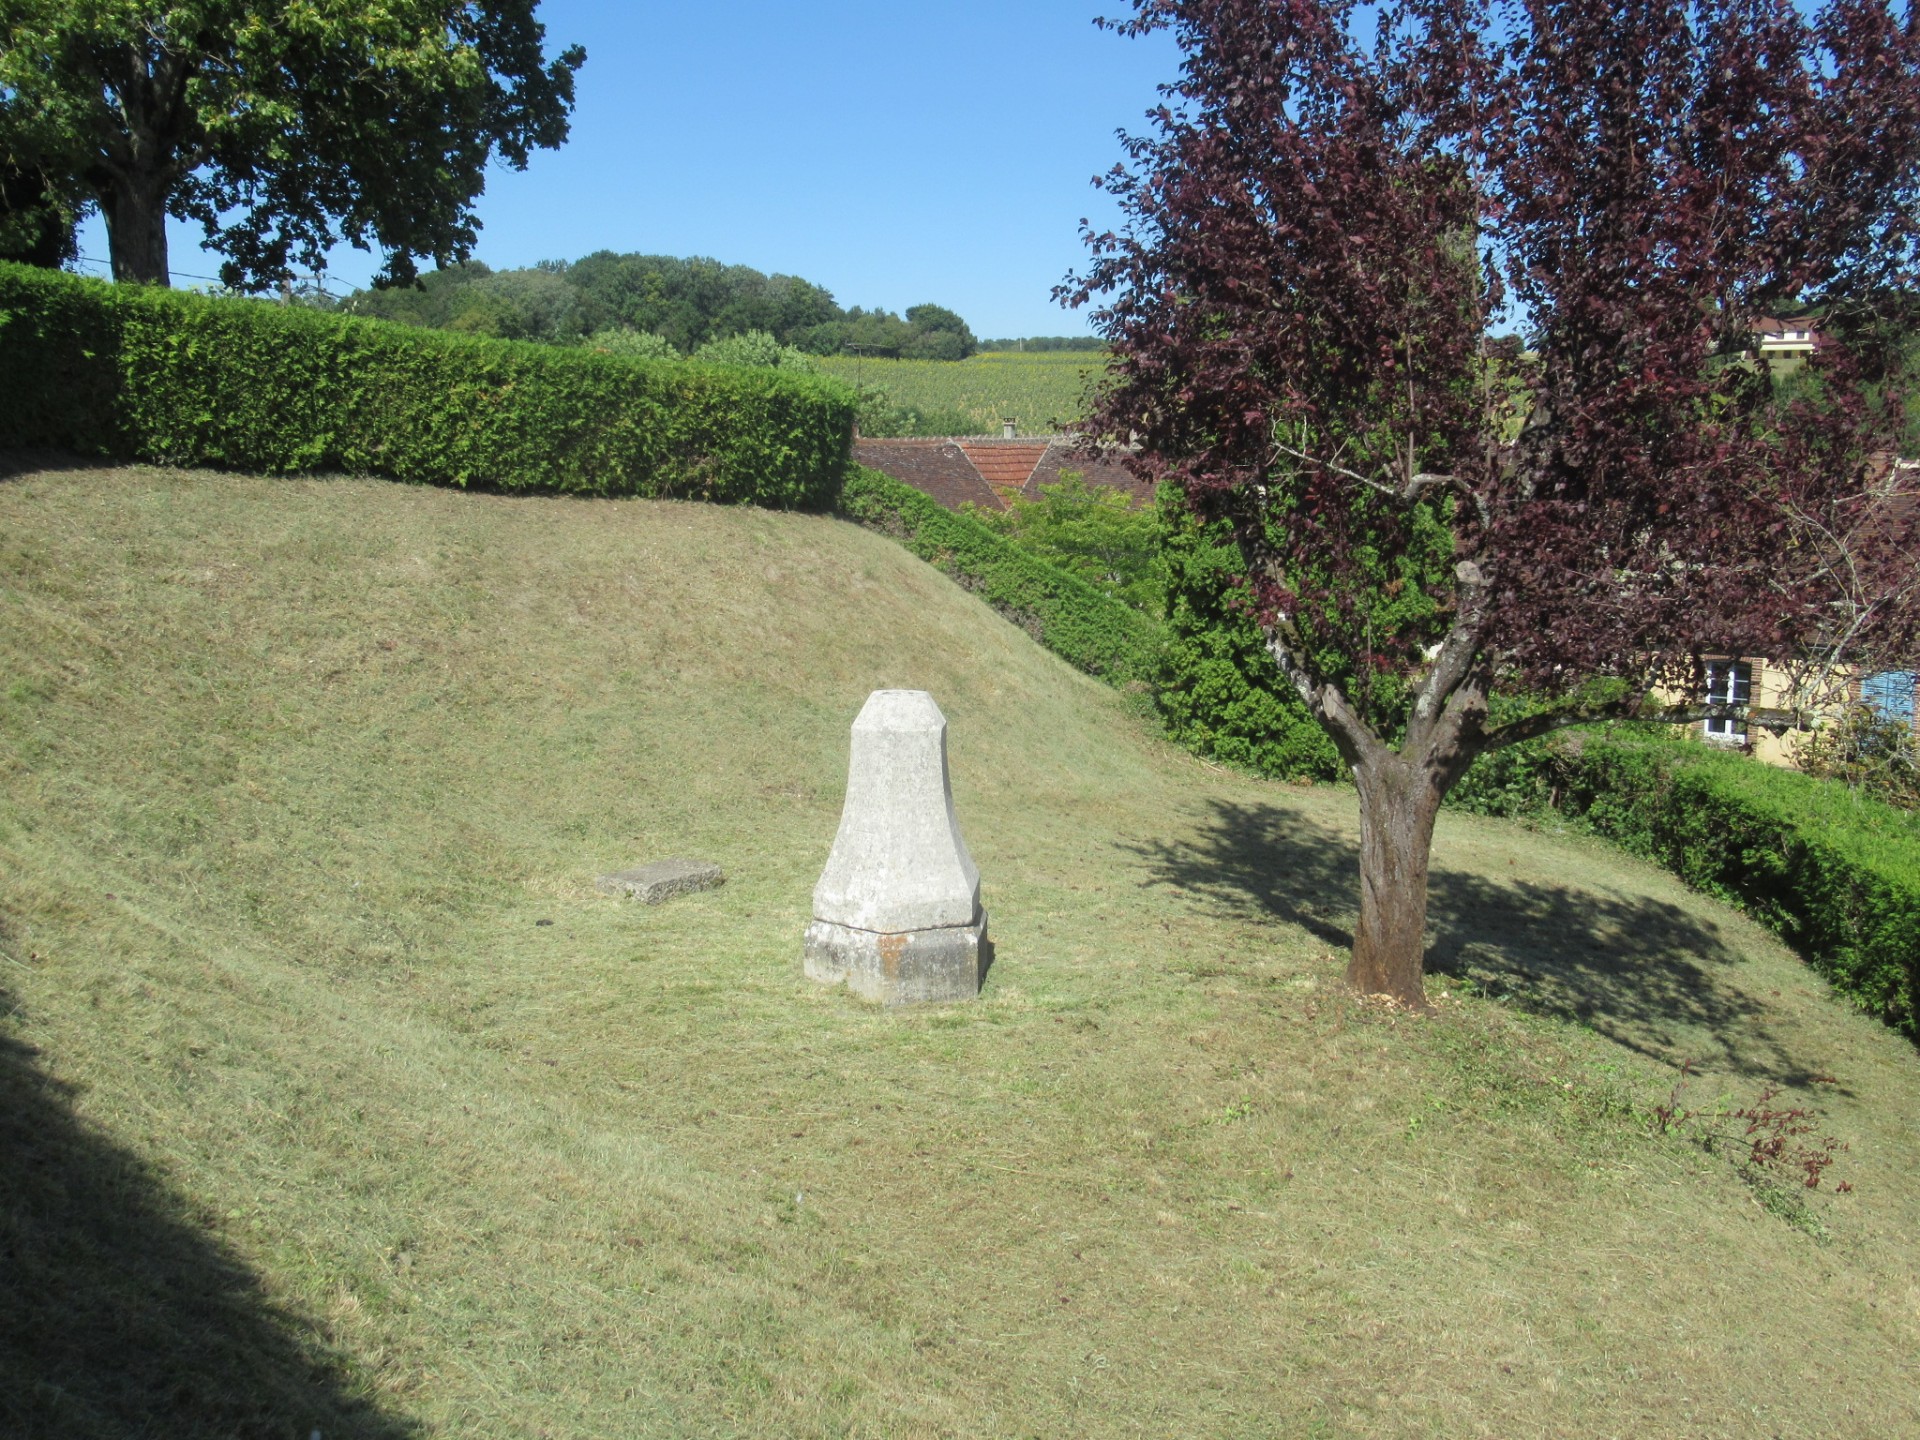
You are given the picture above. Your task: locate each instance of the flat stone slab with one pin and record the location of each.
(664, 879)
(911, 967)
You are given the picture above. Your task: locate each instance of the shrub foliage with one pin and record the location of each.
(1869, 752)
(1834, 873)
(1085, 628)
(1093, 531)
(137, 373)
(1221, 694)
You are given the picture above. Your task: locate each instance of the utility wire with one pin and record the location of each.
(314, 281)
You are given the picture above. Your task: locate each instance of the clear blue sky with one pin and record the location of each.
(897, 152)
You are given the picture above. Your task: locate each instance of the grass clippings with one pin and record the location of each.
(311, 1123)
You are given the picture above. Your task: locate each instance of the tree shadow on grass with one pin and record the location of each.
(119, 1319)
(1641, 971)
(15, 463)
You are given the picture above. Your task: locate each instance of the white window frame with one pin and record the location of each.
(1899, 704)
(1729, 682)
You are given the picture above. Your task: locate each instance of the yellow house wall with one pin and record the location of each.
(1774, 689)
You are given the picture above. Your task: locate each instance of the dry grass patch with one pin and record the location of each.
(291, 772)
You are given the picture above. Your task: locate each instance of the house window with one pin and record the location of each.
(1889, 695)
(1729, 682)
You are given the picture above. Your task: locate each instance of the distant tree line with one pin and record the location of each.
(687, 304)
(1047, 342)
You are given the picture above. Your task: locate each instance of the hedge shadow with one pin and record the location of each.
(120, 1318)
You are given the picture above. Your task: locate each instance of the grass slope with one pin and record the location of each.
(308, 1121)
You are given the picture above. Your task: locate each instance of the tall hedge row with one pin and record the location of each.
(1835, 874)
(137, 373)
(1221, 695)
(1087, 629)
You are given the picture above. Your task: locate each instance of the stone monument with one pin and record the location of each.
(896, 915)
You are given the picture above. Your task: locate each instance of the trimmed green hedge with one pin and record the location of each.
(137, 373)
(1084, 627)
(1835, 874)
(1221, 695)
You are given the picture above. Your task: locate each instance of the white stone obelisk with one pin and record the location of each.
(896, 915)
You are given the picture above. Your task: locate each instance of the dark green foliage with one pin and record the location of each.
(36, 227)
(1086, 629)
(473, 299)
(688, 303)
(928, 332)
(693, 301)
(1221, 695)
(1222, 692)
(936, 334)
(136, 373)
(1835, 874)
(60, 363)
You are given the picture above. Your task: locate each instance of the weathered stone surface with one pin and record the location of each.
(911, 967)
(898, 861)
(897, 914)
(663, 880)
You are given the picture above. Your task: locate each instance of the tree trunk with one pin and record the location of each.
(1398, 805)
(136, 217)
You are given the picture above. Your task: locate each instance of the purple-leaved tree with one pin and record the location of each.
(1449, 550)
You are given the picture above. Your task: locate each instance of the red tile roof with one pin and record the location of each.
(1005, 464)
(1102, 469)
(939, 468)
(992, 473)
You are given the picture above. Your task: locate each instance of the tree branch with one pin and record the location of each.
(1458, 651)
(1416, 484)
(1412, 489)
(1532, 727)
(1351, 735)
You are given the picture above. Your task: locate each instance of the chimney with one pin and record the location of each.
(1008, 430)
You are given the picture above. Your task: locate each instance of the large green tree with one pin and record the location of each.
(282, 126)
(35, 225)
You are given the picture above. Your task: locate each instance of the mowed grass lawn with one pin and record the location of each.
(334, 1097)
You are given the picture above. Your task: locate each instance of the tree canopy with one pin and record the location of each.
(1449, 548)
(283, 128)
(35, 227)
(688, 303)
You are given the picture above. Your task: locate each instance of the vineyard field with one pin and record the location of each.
(1042, 393)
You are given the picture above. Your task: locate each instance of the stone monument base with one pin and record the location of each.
(913, 967)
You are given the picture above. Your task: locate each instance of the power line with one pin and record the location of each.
(314, 281)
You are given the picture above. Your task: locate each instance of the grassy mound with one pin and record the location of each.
(332, 1096)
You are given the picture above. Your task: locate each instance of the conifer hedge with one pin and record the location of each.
(135, 373)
